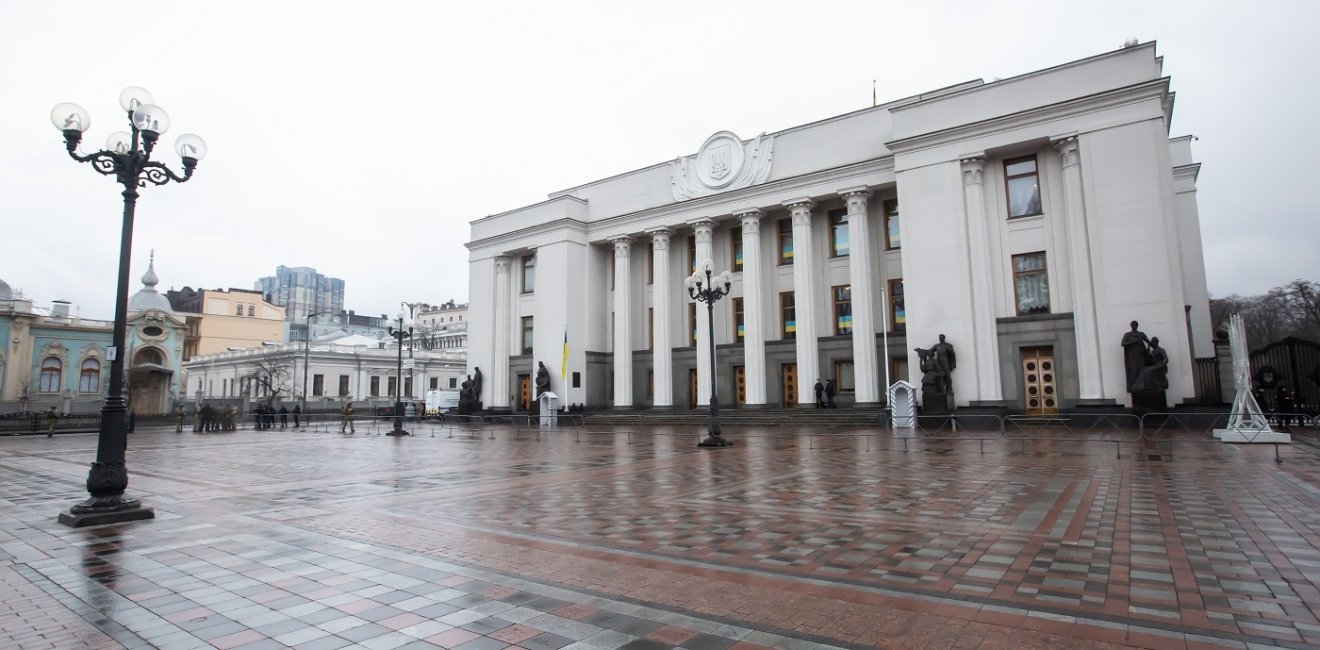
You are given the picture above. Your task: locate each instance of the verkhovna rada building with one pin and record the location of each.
(1028, 219)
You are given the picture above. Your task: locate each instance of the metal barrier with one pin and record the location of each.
(1200, 426)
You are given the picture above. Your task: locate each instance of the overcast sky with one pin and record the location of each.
(360, 138)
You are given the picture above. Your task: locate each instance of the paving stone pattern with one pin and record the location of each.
(506, 539)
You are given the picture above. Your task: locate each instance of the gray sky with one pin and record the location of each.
(360, 138)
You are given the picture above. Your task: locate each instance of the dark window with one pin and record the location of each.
(692, 253)
(252, 310)
(453, 382)
(392, 386)
(1023, 187)
(785, 242)
(842, 309)
(407, 387)
(435, 383)
(692, 321)
(527, 335)
(738, 326)
(788, 315)
(892, 240)
(650, 328)
(735, 245)
(343, 385)
(843, 376)
(1031, 284)
(51, 369)
(838, 233)
(528, 273)
(375, 386)
(318, 385)
(897, 314)
(650, 265)
(238, 310)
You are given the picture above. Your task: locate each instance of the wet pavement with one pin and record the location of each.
(500, 538)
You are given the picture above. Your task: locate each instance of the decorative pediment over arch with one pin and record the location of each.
(54, 349)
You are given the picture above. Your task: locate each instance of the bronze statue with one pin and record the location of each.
(1135, 355)
(1154, 376)
(476, 383)
(937, 365)
(542, 379)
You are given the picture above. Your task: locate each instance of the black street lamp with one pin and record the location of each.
(307, 344)
(710, 294)
(399, 335)
(127, 157)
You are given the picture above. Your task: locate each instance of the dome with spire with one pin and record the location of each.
(6, 293)
(147, 297)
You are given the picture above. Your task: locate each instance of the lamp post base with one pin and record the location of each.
(397, 432)
(715, 441)
(105, 510)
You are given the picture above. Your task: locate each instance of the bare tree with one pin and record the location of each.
(1289, 310)
(269, 378)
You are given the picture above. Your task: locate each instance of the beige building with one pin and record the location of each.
(220, 320)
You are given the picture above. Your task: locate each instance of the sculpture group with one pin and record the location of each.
(1146, 363)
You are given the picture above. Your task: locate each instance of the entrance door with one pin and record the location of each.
(525, 392)
(789, 384)
(1038, 381)
(692, 388)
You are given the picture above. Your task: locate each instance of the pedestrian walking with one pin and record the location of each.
(297, 411)
(284, 416)
(178, 419)
(829, 393)
(51, 418)
(348, 419)
(820, 394)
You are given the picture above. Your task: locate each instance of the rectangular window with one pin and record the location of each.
(407, 387)
(435, 383)
(529, 273)
(614, 264)
(526, 334)
(842, 309)
(650, 328)
(692, 253)
(692, 322)
(453, 382)
(892, 240)
(785, 242)
(787, 315)
(343, 385)
(392, 387)
(650, 265)
(375, 386)
(738, 326)
(897, 314)
(1031, 284)
(1023, 187)
(838, 233)
(318, 385)
(735, 245)
(843, 376)
(650, 384)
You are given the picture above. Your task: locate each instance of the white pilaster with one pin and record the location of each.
(1090, 382)
(703, 229)
(985, 333)
(662, 358)
(622, 323)
(499, 370)
(753, 306)
(804, 301)
(861, 271)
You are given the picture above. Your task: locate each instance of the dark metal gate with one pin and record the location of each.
(1292, 364)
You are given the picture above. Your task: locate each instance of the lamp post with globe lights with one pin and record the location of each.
(127, 157)
(399, 335)
(706, 291)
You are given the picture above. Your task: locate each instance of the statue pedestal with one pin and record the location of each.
(936, 403)
(1149, 402)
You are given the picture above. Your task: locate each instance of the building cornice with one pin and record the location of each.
(1187, 172)
(1154, 89)
(564, 223)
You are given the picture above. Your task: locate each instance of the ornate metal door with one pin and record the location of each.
(692, 388)
(525, 392)
(740, 385)
(1038, 381)
(789, 384)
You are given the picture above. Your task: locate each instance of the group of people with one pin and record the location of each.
(265, 416)
(825, 394)
(208, 418)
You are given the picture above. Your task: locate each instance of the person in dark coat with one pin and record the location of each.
(284, 416)
(829, 393)
(297, 413)
(820, 393)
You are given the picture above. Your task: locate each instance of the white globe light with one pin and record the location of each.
(133, 97)
(70, 117)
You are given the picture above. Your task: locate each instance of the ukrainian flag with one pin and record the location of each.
(563, 364)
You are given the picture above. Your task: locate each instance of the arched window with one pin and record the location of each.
(148, 355)
(89, 379)
(51, 369)
(252, 310)
(238, 311)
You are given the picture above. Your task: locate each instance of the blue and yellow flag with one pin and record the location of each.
(563, 364)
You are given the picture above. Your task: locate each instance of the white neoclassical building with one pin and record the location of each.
(1028, 220)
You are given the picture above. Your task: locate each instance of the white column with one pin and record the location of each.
(1090, 384)
(662, 358)
(703, 228)
(753, 307)
(804, 301)
(622, 323)
(861, 271)
(499, 370)
(985, 333)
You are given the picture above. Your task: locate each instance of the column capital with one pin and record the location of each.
(622, 245)
(1067, 148)
(801, 210)
(750, 220)
(859, 193)
(502, 263)
(659, 238)
(972, 168)
(703, 228)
